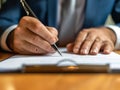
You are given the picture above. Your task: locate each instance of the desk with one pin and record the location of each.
(59, 81)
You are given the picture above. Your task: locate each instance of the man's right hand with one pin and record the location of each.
(32, 37)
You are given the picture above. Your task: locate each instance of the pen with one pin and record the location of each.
(29, 12)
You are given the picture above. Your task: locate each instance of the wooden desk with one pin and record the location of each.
(59, 81)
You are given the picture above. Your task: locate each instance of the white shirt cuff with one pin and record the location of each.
(4, 38)
(116, 30)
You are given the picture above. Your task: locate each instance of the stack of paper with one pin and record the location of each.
(16, 62)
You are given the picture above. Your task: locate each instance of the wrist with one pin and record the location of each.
(116, 31)
(9, 40)
(4, 37)
(111, 34)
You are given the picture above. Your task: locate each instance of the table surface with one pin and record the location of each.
(59, 82)
(80, 81)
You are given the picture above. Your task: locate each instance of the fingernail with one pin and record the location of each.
(84, 51)
(94, 50)
(106, 51)
(52, 41)
(75, 50)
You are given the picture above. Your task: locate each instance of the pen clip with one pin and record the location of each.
(24, 6)
(27, 9)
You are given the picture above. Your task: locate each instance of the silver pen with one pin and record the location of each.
(29, 12)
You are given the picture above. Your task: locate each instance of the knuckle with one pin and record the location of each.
(23, 19)
(17, 31)
(88, 40)
(92, 33)
(85, 30)
(36, 25)
(106, 42)
(78, 41)
(98, 39)
(54, 30)
(38, 28)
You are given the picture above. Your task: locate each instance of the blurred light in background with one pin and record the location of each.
(109, 21)
(1, 2)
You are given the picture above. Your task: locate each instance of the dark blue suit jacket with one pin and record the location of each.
(96, 12)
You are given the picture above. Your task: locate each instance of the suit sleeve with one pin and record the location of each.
(116, 12)
(9, 14)
(116, 28)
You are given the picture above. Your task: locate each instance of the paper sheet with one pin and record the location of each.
(17, 61)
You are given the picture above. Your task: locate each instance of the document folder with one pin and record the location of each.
(68, 63)
(65, 69)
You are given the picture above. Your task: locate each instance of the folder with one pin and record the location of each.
(65, 69)
(68, 63)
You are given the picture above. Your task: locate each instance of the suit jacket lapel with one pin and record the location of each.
(52, 13)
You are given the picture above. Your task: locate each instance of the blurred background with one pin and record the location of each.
(1, 2)
(108, 21)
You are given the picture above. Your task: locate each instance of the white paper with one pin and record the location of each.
(17, 61)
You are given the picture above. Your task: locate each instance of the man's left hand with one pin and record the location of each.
(92, 41)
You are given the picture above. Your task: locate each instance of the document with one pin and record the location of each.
(16, 62)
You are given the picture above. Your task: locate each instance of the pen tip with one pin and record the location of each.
(60, 53)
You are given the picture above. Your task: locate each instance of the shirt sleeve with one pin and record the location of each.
(116, 30)
(4, 36)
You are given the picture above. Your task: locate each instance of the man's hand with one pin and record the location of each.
(32, 37)
(92, 41)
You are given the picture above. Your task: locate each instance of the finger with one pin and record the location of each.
(96, 46)
(80, 38)
(32, 49)
(107, 47)
(87, 44)
(70, 47)
(27, 48)
(53, 31)
(37, 27)
(37, 41)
